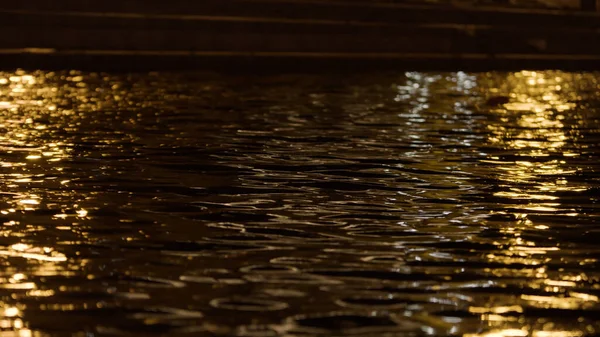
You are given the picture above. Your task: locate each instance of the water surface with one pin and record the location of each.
(388, 204)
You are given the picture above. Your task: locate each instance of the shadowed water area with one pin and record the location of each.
(406, 204)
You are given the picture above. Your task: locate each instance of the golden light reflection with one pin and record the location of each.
(496, 310)
(33, 115)
(559, 302)
(534, 127)
(34, 253)
(20, 333)
(522, 332)
(525, 332)
(501, 333)
(11, 323)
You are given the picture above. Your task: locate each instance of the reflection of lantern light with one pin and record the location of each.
(536, 108)
(33, 119)
(11, 312)
(82, 213)
(532, 128)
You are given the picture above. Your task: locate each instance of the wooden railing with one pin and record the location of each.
(584, 5)
(190, 32)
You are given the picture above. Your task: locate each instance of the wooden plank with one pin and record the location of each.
(298, 29)
(314, 10)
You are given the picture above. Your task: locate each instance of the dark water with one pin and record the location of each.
(373, 205)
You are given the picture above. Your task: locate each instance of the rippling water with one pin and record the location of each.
(390, 204)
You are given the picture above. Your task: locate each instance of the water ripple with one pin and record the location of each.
(387, 204)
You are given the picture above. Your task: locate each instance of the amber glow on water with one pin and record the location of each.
(534, 128)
